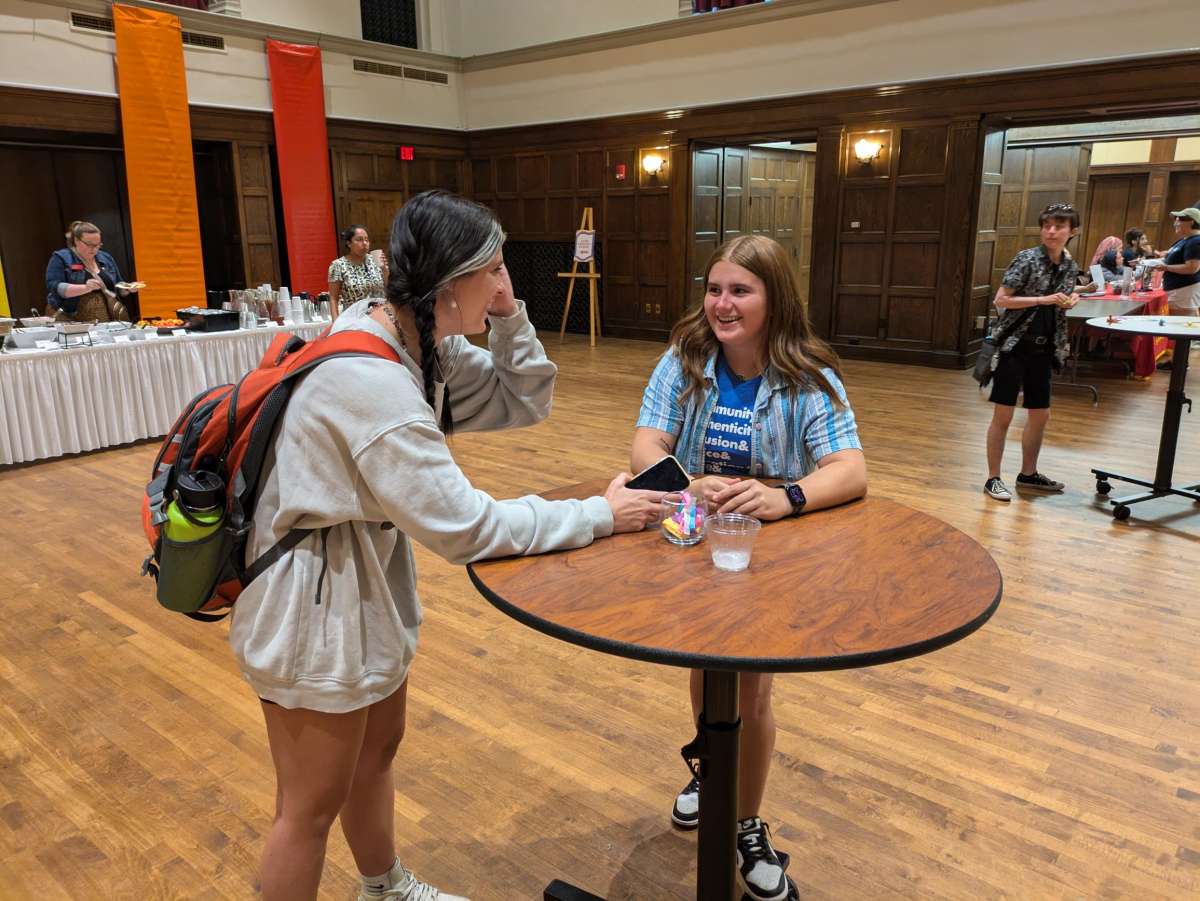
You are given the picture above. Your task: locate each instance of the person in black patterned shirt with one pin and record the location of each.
(1037, 290)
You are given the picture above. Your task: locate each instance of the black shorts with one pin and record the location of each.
(1023, 370)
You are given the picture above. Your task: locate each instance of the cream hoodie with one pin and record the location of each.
(332, 626)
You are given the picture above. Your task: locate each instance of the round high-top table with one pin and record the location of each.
(869, 582)
(1184, 329)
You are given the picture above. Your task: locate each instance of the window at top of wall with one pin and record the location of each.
(390, 22)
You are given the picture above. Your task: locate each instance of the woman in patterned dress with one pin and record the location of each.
(356, 274)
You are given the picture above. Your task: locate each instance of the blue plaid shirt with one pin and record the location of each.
(793, 429)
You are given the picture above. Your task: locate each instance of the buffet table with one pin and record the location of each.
(59, 402)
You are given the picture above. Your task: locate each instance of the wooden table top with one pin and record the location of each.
(865, 583)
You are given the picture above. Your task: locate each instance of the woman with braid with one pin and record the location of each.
(327, 635)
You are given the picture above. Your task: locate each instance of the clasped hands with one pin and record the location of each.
(748, 496)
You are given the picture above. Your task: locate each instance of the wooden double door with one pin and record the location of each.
(739, 190)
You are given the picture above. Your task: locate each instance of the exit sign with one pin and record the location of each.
(404, 152)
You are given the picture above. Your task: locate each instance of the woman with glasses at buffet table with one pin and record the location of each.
(83, 283)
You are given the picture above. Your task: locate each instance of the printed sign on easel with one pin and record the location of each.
(585, 245)
(585, 252)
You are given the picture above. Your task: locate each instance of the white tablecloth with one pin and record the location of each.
(67, 401)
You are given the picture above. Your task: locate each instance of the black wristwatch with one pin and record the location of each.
(795, 496)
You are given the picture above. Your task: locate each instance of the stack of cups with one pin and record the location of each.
(286, 310)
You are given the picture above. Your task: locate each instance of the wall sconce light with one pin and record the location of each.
(652, 163)
(867, 151)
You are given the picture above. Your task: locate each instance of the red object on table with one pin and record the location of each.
(1146, 349)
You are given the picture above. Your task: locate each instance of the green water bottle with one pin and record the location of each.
(198, 508)
(194, 544)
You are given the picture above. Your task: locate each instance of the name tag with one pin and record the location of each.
(179, 331)
(121, 339)
(47, 345)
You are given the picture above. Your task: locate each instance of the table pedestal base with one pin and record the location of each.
(713, 757)
(1164, 472)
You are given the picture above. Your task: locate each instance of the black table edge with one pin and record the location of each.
(736, 664)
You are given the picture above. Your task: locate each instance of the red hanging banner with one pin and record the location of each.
(302, 145)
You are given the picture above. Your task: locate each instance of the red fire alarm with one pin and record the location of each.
(405, 153)
(619, 172)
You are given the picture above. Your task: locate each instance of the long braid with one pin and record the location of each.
(426, 323)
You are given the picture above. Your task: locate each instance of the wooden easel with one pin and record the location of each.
(585, 224)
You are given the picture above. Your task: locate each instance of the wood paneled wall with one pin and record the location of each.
(1168, 185)
(1115, 204)
(751, 190)
(1032, 178)
(894, 263)
(987, 221)
(371, 182)
(781, 204)
(540, 194)
(256, 212)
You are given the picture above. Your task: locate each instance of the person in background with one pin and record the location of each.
(1040, 279)
(746, 391)
(1141, 247)
(1131, 253)
(356, 274)
(1108, 254)
(326, 636)
(83, 283)
(1181, 264)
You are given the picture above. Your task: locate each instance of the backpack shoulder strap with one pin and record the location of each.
(348, 343)
(1016, 324)
(249, 463)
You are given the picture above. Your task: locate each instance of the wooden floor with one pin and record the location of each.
(1053, 754)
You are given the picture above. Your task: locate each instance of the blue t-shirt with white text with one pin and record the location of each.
(727, 438)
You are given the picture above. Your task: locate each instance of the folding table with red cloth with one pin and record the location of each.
(1146, 349)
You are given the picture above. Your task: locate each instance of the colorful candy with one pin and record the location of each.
(685, 522)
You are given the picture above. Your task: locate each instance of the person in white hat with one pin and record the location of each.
(1181, 269)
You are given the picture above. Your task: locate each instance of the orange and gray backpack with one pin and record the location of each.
(215, 451)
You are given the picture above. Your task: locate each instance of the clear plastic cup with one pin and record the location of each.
(731, 540)
(683, 518)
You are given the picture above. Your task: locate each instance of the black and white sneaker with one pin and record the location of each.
(760, 871)
(995, 488)
(686, 812)
(1038, 482)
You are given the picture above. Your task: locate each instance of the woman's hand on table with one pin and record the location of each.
(752, 498)
(708, 486)
(632, 510)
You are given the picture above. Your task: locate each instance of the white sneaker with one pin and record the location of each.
(760, 871)
(995, 488)
(408, 888)
(686, 812)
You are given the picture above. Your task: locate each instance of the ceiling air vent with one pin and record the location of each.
(366, 65)
(426, 75)
(92, 23)
(207, 41)
(104, 24)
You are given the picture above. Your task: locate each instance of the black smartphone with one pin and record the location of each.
(665, 475)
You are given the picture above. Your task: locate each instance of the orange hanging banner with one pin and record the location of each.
(159, 166)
